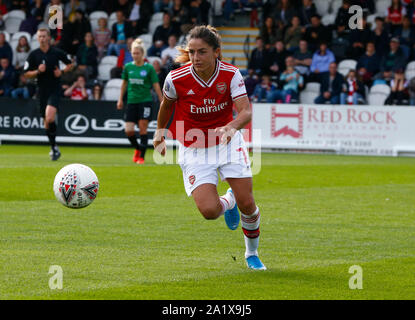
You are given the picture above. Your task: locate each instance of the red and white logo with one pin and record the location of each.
(287, 123)
(221, 87)
(192, 179)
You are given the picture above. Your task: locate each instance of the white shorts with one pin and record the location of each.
(201, 165)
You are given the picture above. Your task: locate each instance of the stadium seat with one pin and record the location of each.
(335, 6)
(112, 89)
(410, 70)
(152, 26)
(158, 16)
(16, 14)
(380, 88)
(312, 87)
(105, 66)
(147, 40)
(34, 44)
(17, 36)
(382, 6)
(377, 99)
(346, 65)
(322, 7)
(12, 24)
(111, 20)
(308, 97)
(328, 19)
(95, 16)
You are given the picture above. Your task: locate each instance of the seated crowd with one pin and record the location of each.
(295, 48)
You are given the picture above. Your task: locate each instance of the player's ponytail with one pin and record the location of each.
(138, 43)
(208, 34)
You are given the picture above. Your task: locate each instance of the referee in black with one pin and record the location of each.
(43, 63)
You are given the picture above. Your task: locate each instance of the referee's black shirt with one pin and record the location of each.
(51, 58)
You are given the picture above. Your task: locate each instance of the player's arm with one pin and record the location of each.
(156, 87)
(120, 103)
(30, 71)
(165, 112)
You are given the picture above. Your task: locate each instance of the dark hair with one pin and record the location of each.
(208, 34)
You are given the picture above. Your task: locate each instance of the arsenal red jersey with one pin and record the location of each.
(202, 106)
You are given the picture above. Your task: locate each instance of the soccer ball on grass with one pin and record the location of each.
(76, 186)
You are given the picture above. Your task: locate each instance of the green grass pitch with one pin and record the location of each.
(143, 238)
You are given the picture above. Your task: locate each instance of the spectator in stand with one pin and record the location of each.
(86, 57)
(264, 89)
(169, 54)
(316, 33)
(124, 57)
(193, 17)
(37, 10)
(303, 58)
(411, 12)
(178, 13)
(399, 90)
(78, 90)
(19, 5)
(368, 64)
(26, 88)
(102, 37)
(74, 32)
(71, 7)
(7, 77)
(139, 17)
(395, 59)
(293, 34)
(161, 72)
(256, 61)
(162, 5)
(3, 8)
(121, 31)
(269, 33)
(5, 49)
(358, 40)
(368, 6)
(29, 24)
(275, 59)
(96, 92)
(353, 90)
(381, 36)
(250, 82)
(22, 52)
(406, 35)
(331, 86)
(229, 7)
(394, 15)
(292, 81)
(124, 6)
(307, 10)
(343, 16)
(161, 36)
(322, 60)
(205, 11)
(285, 12)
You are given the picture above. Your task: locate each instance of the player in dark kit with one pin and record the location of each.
(43, 63)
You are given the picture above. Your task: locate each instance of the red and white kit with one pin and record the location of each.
(201, 107)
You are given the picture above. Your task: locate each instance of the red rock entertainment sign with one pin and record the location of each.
(364, 130)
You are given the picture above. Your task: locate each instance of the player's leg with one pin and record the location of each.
(131, 118)
(144, 116)
(50, 126)
(250, 219)
(129, 132)
(207, 201)
(143, 125)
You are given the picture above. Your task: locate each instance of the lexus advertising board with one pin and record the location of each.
(78, 122)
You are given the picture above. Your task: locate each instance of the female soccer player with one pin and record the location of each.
(138, 79)
(203, 92)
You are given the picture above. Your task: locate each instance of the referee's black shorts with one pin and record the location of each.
(138, 111)
(49, 98)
